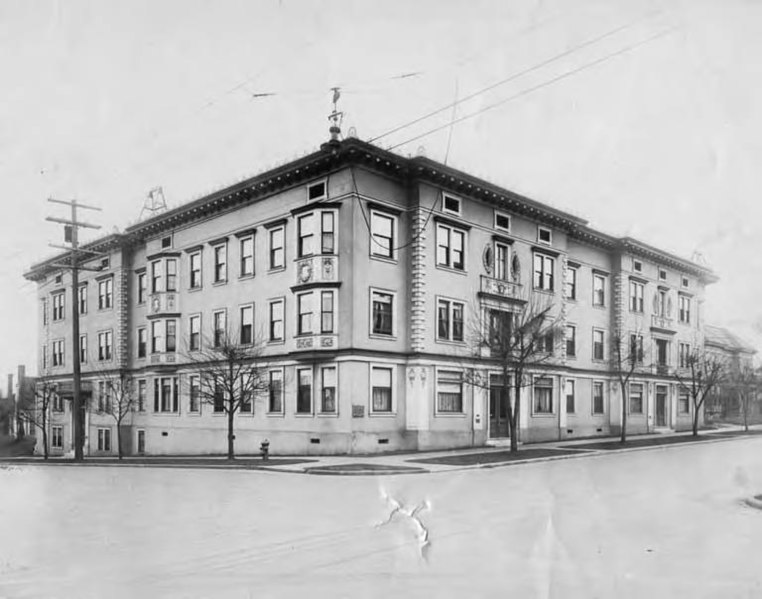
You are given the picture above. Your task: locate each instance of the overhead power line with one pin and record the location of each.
(539, 86)
(515, 76)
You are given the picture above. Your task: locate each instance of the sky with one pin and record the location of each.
(639, 115)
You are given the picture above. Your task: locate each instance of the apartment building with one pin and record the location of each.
(362, 274)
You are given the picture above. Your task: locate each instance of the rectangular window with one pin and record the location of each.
(247, 257)
(450, 320)
(636, 296)
(502, 222)
(327, 233)
(684, 282)
(543, 272)
(684, 353)
(684, 306)
(636, 398)
(104, 439)
(171, 269)
(275, 392)
(44, 310)
(142, 287)
(382, 235)
(170, 344)
(247, 325)
(304, 391)
(545, 343)
(105, 293)
(56, 441)
(662, 352)
(382, 313)
(570, 283)
(597, 344)
(194, 331)
(104, 345)
(597, 397)
(82, 294)
(637, 266)
(328, 386)
(276, 320)
(58, 353)
(599, 290)
(306, 235)
(166, 242)
(502, 262)
(142, 395)
(326, 311)
(218, 402)
(221, 263)
(450, 391)
(44, 356)
(83, 349)
(194, 394)
(220, 327)
(156, 277)
(683, 402)
(381, 389)
(277, 250)
(142, 342)
(570, 407)
(58, 403)
(543, 395)
(544, 235)
(195, 270)
(165, 394)
(451, 204)
(571, 341)
(500, 328)
(662, 275)
(450, 247)
(157, 340)
(304, 312)
(246, 406)
(636, 348)
(317, 192)
(59, 305)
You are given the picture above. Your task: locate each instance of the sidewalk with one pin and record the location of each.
(413, 462)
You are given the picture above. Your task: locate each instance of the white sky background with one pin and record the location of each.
(101, 101)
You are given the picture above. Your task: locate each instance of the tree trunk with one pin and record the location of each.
(746, 407)
(696, 411)
(119, 439)
(44, 436)
(623, 435)
(514, 422)
(231, 436)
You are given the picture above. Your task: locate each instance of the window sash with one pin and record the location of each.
(381, 389)
(570, 397)
(275, 403)
(597, 397)
(543, 396)
(195, 270)
(571, 341)
(382, 313)
(142, 342)
(382, 235)
(598, 345)
(220, 264)
(171, 336)
(156, 277)
(142, 287)
(570, 284)
(328, 385)
(247, 325)
(306, 235)
(277, 254)
(304, 392)
(194, 333)
(304, 309)
(599, 287)
(327, 234)
(326, 312)
(276, 320)
(247, 256)
(449, 391)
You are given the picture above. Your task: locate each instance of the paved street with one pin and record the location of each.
(667, 522)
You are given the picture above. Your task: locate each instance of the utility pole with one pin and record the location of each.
(71, 235)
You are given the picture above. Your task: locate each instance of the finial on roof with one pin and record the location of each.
(336, 117)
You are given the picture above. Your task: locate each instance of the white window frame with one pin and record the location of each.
(599, 295)
(271, 236)
(446, 210)
(82, 299)
(157, 337)
(242, 271)
(191, 319)
(174, 399)
(497, 248)
(194, 378)
(571, 273)
(502, 215)
(540, 231)
(573, 383)
(451, 305)
(321, 370)
(544, 285)
(241, 309)
(105, 345)
(59, 306)
(637, 302)
(311, 411)
(684, 309)
(603, 345)
(573, 327)
(393, 295)
(142, 287)
(282, 398)
(438, 411)
(299, 300)
(137, 343)
(83, 348)
(315, 184)
(193, 256)
(662, 274)
(450, 230)
(157, 276)
(642, 398)
(220, 265)
(592, 397)
(378, 250)
(170, 275)
(142, 398)
(553, 401)
(393, 400)
(59, 353)
(273, 302)
(216, 342)
(637, 265)
(104, 439)
(56, 437)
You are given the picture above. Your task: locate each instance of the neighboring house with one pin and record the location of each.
(365, 272)
(737, 355)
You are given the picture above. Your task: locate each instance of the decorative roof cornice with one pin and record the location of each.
(38, 271)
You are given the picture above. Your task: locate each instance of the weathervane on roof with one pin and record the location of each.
(336, 117)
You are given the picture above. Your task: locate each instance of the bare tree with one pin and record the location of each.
(515, 341)
(702, 372)
(33, 406)
(627, 355)
(232, 372)
(117, 399)
(745, 382)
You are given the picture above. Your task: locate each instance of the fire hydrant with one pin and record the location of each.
(264, 449)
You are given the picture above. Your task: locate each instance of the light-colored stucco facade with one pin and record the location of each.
(409, 231)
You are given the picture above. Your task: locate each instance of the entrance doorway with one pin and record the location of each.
(661, 405)
(498, 407)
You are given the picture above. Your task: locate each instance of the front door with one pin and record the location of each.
(661, 405)
(498, 408)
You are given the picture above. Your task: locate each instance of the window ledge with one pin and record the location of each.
(456, 271)
(219, 283)
(382, 414)
(453, 343)
(385, 259)
(543, 291)
(276, 270)
(304, 415)
(275, 414)
(543, 415)
(328, 415)
(194, 414)
(278, 341)
(166, 414)
(194, 289)
(381, 336)
(245, 277)
(450, 414)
